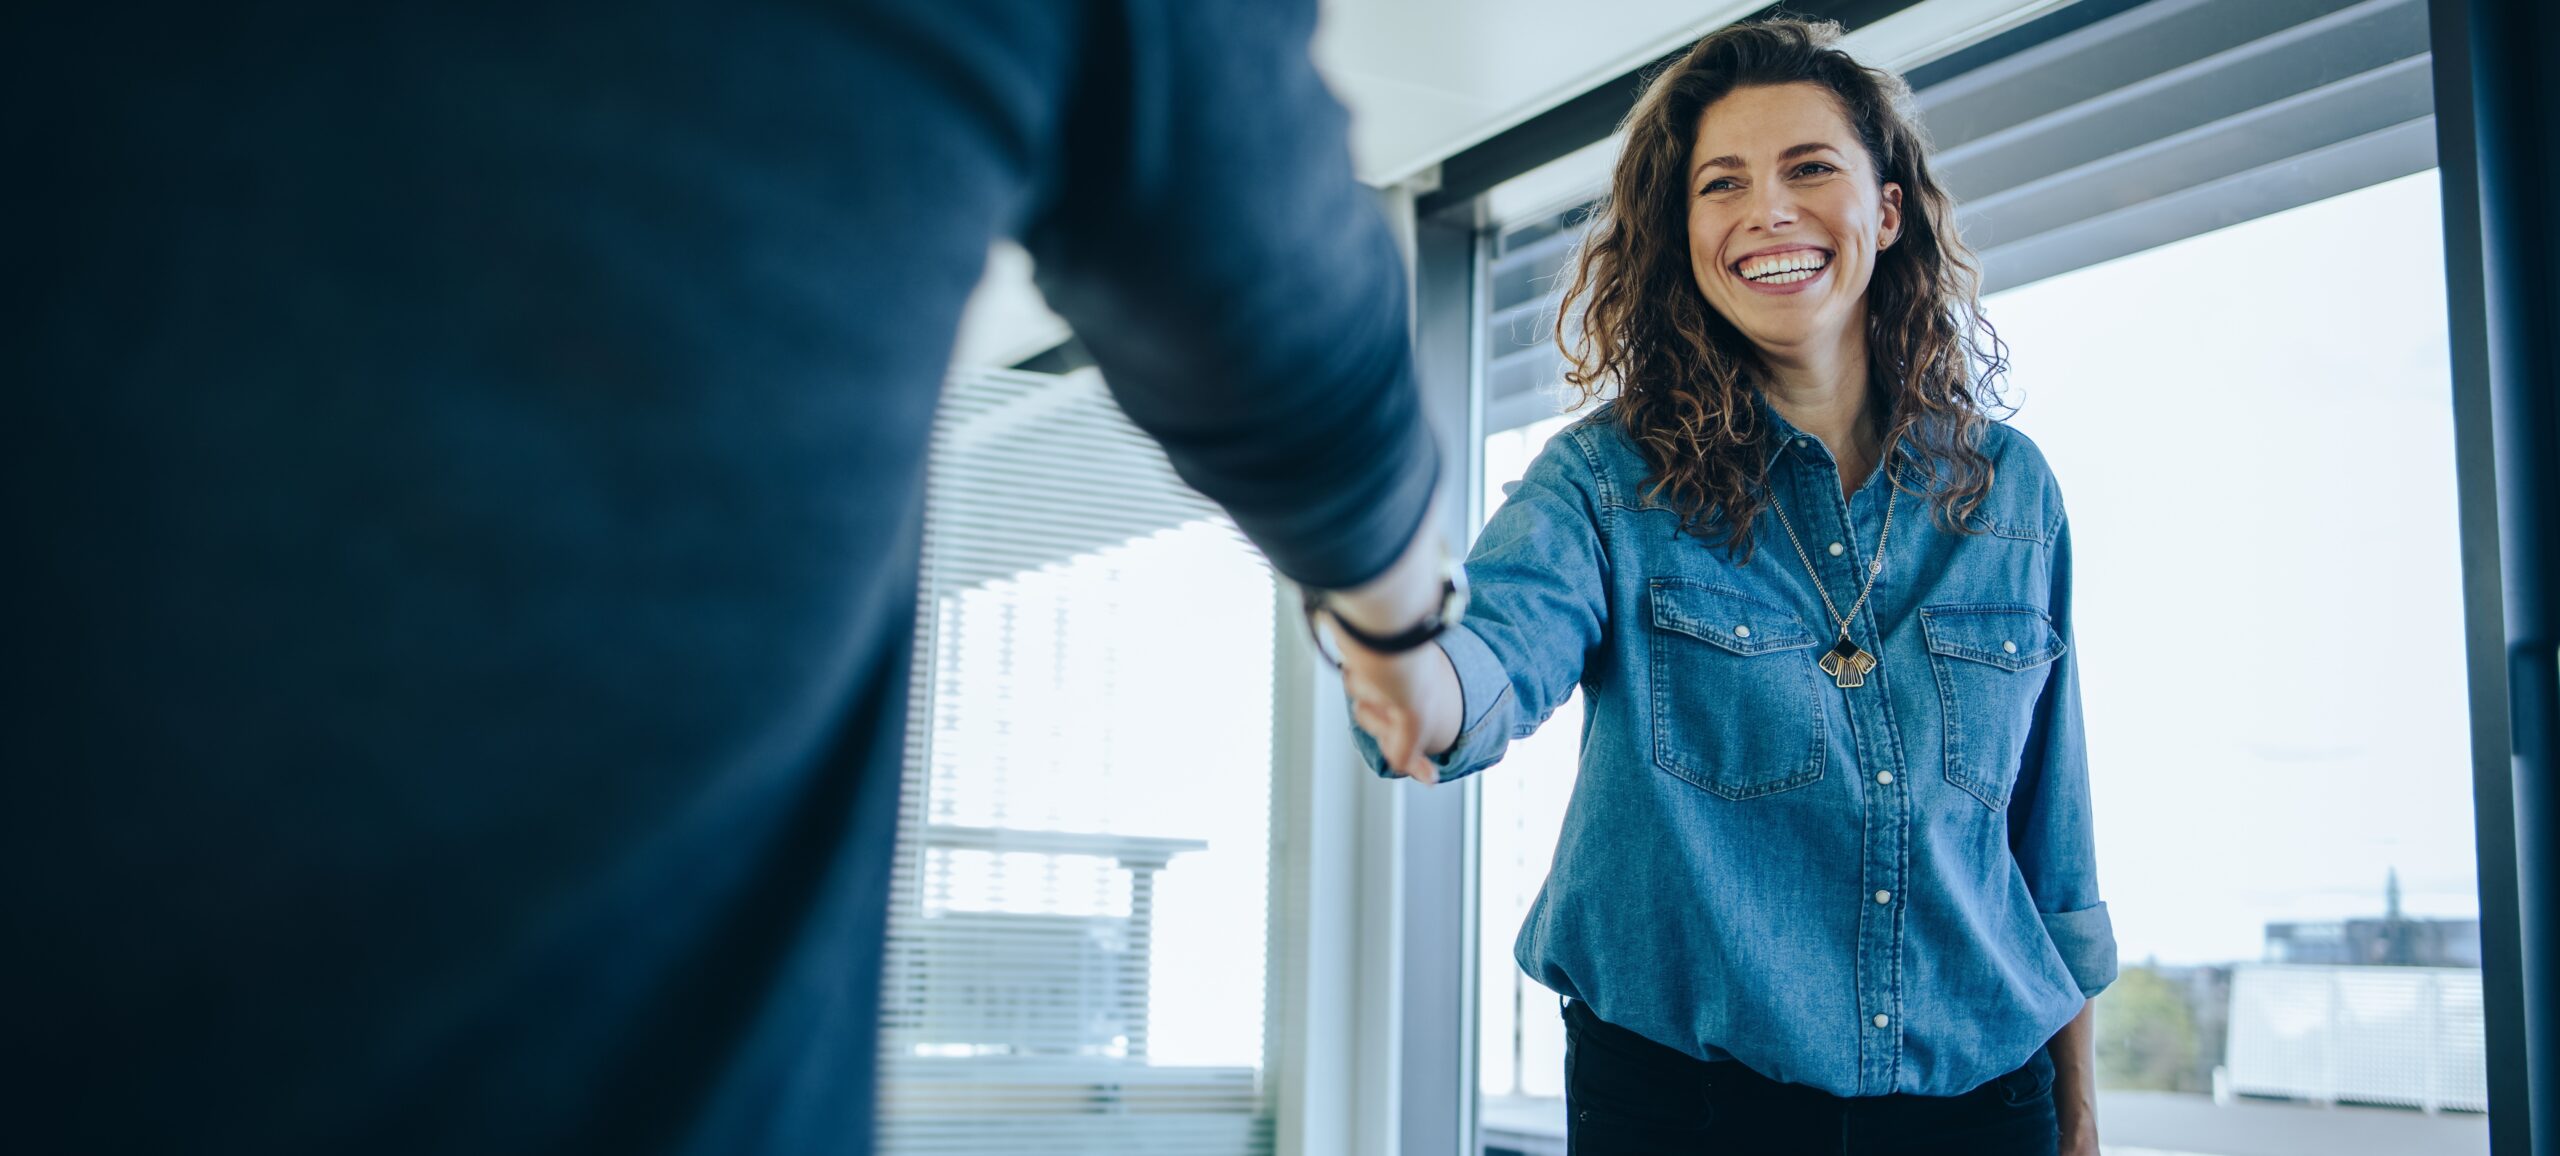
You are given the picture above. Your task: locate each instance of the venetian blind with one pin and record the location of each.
(2120, 128)
(1077, 937)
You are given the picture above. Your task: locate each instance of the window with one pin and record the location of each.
(1520, 1040)
(1078, 926)
(2253, 429)
(2211, 232)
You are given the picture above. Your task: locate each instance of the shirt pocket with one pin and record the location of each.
(1990, 663)
(1736, 708)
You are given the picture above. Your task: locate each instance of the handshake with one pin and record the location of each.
(1403, 690)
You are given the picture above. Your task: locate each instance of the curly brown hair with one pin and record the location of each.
(1684, 377)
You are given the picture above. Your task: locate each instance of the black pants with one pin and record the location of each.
(1627, 1094)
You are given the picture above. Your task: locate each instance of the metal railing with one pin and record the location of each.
(2408, 1036)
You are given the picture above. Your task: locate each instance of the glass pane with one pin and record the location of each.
(1077, 943)
(1520, 1039)
(2254, 431)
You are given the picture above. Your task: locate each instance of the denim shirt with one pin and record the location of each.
(1874, 890)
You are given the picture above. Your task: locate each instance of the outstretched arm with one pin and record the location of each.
(1238, 287)
(1540, 580)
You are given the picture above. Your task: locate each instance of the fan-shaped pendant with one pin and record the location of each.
(1847, 664)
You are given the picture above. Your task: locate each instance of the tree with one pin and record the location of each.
(2146, 1034)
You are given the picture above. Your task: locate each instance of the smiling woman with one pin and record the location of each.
(1827, 869)
(1802, 223)
(1775, 173)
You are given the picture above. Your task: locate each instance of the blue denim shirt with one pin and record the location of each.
(1883, 889)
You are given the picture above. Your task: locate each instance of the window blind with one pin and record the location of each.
(1078, 930)
(2160, 121)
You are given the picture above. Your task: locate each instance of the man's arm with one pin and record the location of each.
(1239, 289)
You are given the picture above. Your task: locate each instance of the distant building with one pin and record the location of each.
(2371, 1011)
(2393, 940)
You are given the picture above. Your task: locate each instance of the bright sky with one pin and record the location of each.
(2253, 431)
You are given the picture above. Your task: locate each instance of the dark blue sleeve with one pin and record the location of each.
(1239, 288)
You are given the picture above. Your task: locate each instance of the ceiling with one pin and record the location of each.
(1425, 78)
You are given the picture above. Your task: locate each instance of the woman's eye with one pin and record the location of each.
(1814, 168)
(1720, 184)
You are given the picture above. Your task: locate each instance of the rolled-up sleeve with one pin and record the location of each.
(2050, 824)
(1539, 605)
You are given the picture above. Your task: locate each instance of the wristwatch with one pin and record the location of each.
(1323, 621)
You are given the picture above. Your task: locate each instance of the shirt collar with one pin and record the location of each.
(1783, 433)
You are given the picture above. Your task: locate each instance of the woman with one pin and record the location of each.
(1826, 883)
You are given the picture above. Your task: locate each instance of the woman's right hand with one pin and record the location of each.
(1409, 702)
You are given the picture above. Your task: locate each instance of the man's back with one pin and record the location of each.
(465, 518)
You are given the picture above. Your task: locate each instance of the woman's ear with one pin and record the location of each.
(1889, 221)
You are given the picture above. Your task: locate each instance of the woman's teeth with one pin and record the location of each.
(1785, 268)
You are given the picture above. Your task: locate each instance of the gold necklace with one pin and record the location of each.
(1846, 662)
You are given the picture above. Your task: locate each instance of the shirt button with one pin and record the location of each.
(1743, 632)
(1884, 897)
(1837, 549)
(1885, 777)
(2008, 648)
(1884, 1021)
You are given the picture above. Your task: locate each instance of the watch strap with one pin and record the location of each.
(1431, 627)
